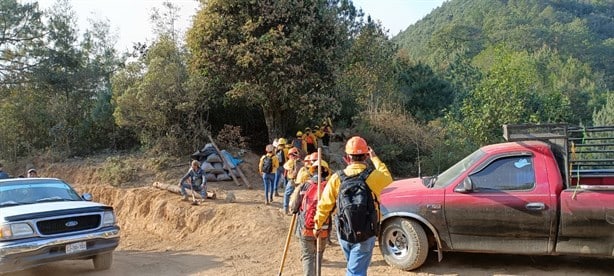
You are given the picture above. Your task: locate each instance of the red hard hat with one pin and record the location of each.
(356, 146)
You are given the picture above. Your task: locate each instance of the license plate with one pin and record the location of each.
(75, 247)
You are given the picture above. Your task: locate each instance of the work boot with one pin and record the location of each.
(277, 194)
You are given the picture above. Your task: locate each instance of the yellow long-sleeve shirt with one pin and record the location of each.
(377, 181)
(275, 162)
(291, 167)
(286, 154)
(303, 175)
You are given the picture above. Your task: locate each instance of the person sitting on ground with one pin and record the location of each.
(32, 173)
(3, 175)
(194, 180)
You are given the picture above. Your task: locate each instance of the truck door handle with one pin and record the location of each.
(535, 206)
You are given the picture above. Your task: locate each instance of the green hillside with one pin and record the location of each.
(583, 30)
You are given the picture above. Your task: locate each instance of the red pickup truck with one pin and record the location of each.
(547, 192)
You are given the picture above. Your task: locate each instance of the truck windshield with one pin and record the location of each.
(18, 193)
(444, 179)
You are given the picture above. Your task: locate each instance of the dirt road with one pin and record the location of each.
(162, 235)
(136, 263)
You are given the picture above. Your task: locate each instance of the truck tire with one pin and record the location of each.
(103, 261)
(403, 244)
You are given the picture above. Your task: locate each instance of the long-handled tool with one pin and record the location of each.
(318, 260)
(283, 257)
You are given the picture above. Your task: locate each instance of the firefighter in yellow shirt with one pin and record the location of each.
(291, 167)
(303, 174)
(267, 167)
(327, 129)
(282, 155)
(299, 143)
(377, 179)
(310, 141)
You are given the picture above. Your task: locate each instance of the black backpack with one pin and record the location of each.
(281, 156)
(267, 164)
(357, 217)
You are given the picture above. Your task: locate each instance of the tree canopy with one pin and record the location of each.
(282, 56)
(264, 69)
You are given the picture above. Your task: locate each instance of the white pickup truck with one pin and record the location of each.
(44, 220)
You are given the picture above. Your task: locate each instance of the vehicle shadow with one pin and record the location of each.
(132, 263)
(476, 264)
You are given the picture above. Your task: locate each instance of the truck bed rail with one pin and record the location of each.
(578, 148)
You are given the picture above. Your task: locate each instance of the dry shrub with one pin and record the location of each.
(230, 138)
(400, 141)
(49, 155)
(170, 145)
(159, 162)
(117, 170)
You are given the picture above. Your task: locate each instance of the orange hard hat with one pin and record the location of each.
(356, 146)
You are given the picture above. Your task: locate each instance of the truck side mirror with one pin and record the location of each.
(87, 197)
(466, 187)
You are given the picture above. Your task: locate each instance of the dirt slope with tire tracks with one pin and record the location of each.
(162, 235)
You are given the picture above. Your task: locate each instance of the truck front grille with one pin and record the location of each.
(68, 224)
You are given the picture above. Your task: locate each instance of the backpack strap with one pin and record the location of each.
(363, 175)
(342, 175)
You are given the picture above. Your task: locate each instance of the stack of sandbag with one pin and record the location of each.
(212, 164)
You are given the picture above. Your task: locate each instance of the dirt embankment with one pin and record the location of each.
(162, 235)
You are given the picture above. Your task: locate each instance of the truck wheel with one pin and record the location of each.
(403, 244)
(103, 261)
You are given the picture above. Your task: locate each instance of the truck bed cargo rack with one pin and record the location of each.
(576, 148)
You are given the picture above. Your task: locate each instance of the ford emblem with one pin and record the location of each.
(71, 223)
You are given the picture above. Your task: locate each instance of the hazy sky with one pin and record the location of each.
(130, 18)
